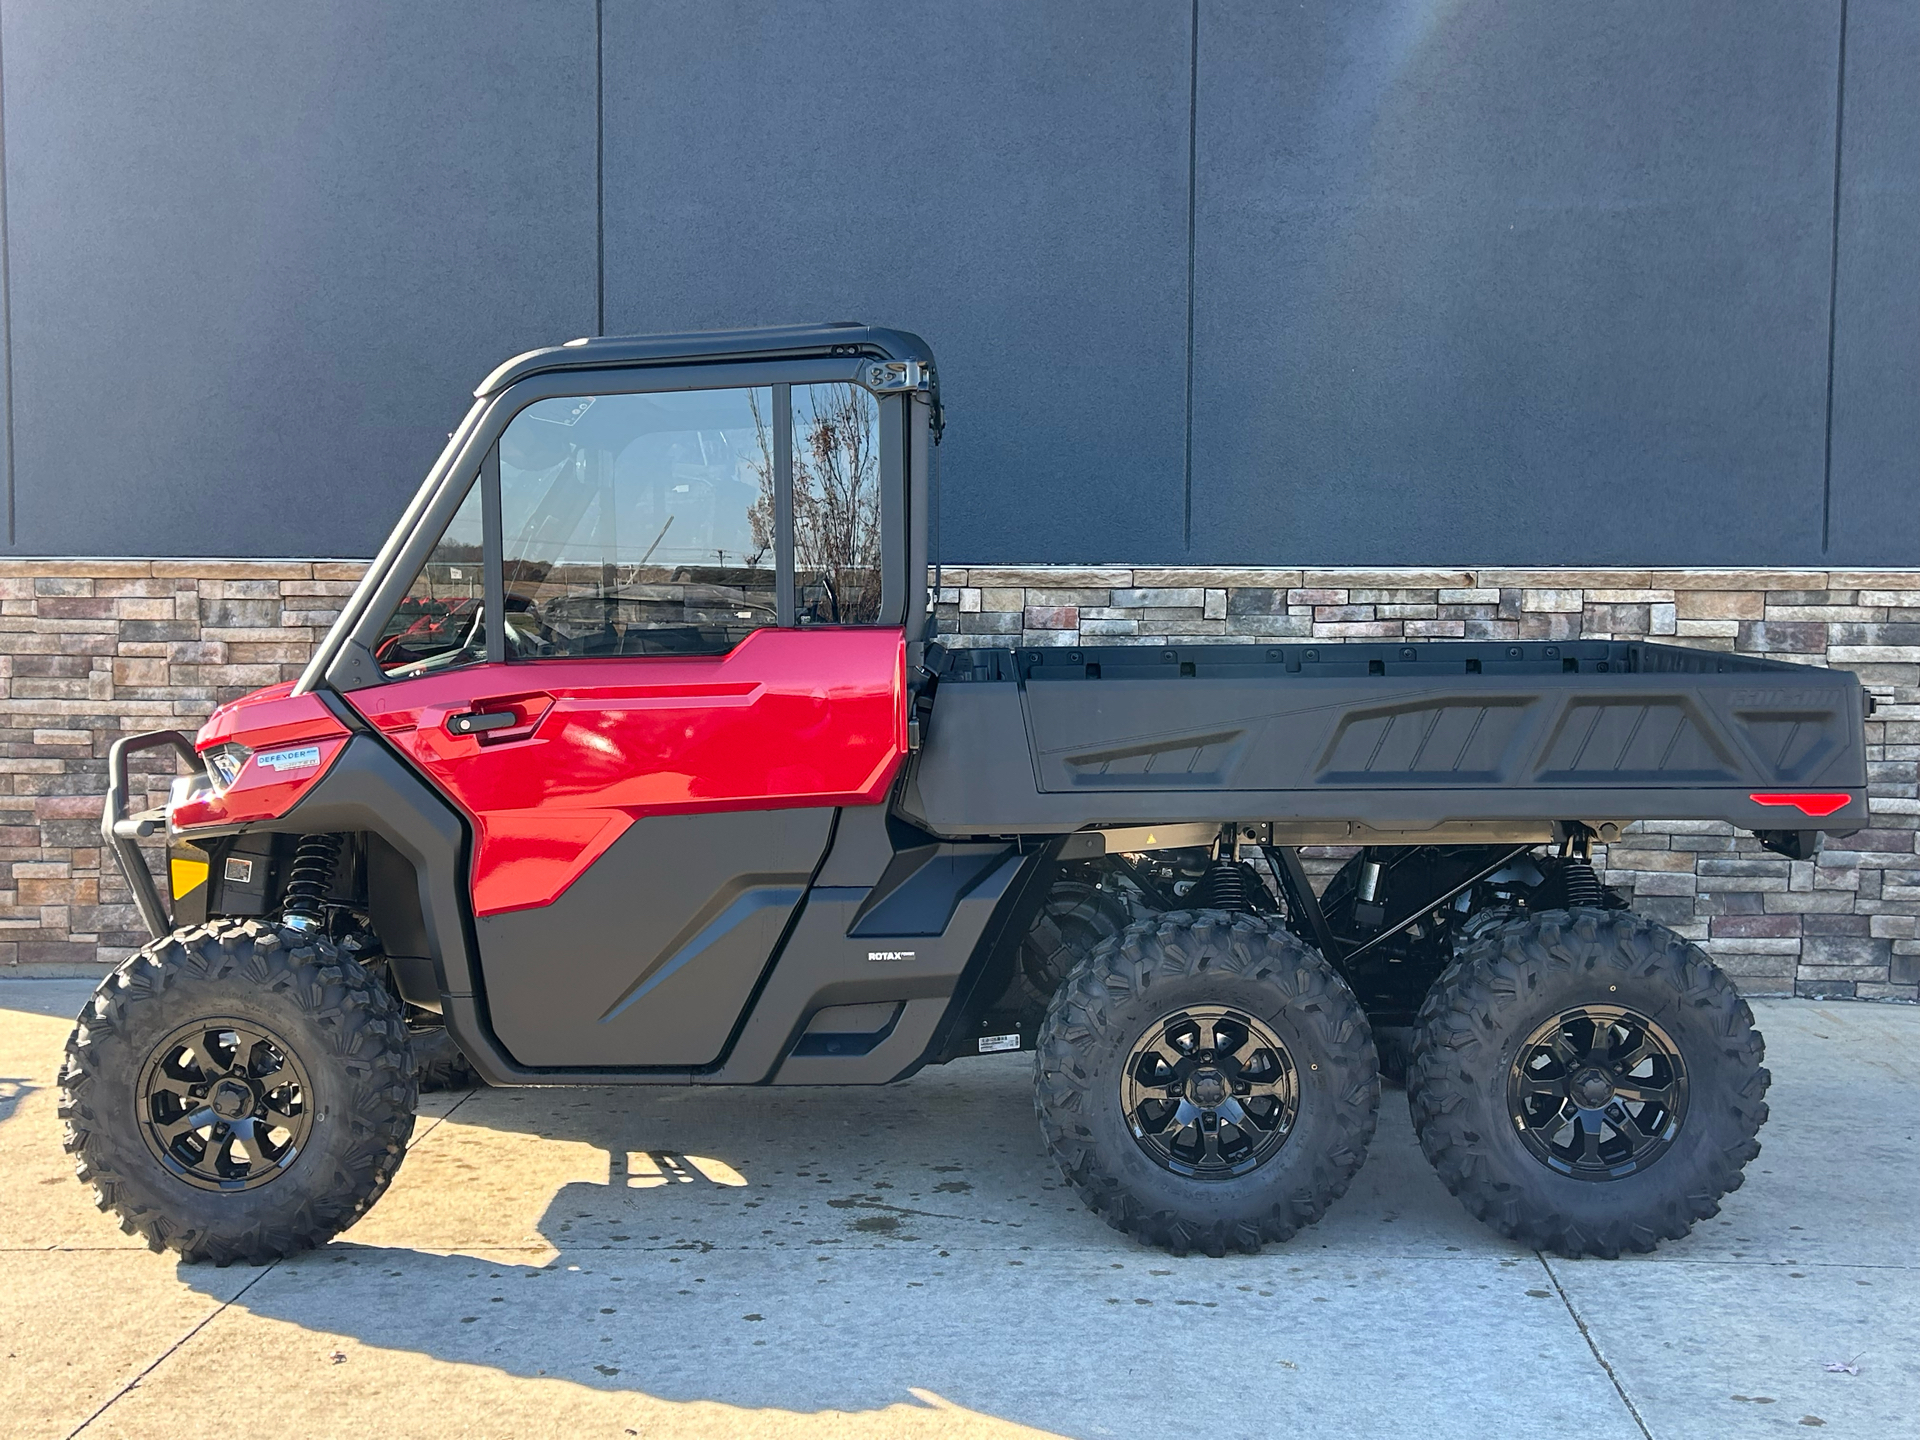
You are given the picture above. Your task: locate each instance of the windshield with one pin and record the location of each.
(438, 623)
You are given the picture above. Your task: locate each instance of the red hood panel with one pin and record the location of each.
(269, 717)
(294, 739)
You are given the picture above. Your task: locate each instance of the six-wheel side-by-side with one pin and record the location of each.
(635, 759)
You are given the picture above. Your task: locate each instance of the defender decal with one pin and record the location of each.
(281, 761)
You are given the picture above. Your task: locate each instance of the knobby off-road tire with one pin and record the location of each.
(322, 1029)
(1220, 964)
(1486, 1048)
(438, 1063)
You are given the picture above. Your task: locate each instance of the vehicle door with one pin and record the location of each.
(648, 659)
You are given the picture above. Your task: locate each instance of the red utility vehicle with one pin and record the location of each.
(636, 760)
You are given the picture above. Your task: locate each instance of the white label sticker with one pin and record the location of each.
(991, 1043)
(889, 954)
(305, 758)
(570, 415)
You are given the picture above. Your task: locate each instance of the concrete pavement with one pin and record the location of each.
(907, 1262)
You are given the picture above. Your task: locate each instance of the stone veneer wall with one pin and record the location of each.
(89, 649)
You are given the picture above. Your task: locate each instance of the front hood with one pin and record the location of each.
(273, 716)
(288, 742)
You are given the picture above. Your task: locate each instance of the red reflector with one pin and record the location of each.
(1817, 803)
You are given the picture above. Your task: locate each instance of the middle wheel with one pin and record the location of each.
(1207, 1082)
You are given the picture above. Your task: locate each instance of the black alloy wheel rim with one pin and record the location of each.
(1210, 1092)
(1597, 1093)
(225, 1104)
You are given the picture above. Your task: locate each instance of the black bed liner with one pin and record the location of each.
(1372, 740)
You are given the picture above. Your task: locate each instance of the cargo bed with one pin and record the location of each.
(1368, 743)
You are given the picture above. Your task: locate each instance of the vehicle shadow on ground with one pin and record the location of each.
(810, 1251)
(680, 1257)
(12, 1092)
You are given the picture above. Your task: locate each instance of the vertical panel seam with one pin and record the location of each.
(599, 168)
(1833, 283)
(1193, 182)
(6, 294)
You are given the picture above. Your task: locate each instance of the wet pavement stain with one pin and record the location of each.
(874, 1202)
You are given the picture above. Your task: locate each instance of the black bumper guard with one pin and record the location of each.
(122, 831)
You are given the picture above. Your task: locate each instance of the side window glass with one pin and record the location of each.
(437, 624)
(638, 524)
(836, 505)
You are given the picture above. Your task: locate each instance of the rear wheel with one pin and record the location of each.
(237, 1092)
(1207, 1082)
(1588, 1082)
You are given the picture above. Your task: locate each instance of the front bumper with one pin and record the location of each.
(122, 831)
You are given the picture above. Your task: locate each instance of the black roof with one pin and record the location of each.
(840, 337)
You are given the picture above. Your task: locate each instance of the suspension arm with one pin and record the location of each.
(1303, 905)
(1496, 857)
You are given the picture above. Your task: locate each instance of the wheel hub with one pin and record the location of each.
(1597, 1093)
(1210, 1092)
(1207, 1088)
(1592, 1088)
(232, 1098)
(224, 1104)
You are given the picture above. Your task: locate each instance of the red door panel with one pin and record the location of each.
(787, 718)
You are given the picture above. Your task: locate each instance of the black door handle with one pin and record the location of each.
(472, 722)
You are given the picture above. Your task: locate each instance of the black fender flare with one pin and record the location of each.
(369, 789)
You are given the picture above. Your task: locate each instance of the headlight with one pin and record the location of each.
(224, 763)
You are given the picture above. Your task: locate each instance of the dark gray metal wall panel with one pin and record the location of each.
(261, 253)
(1513, 283)
(6, 315)
(1477, 282)
(1007, 179)
(1876, 361)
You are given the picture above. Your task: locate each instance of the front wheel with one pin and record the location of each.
(1207, 1082)
(1587, 1082)
(238, 1092)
